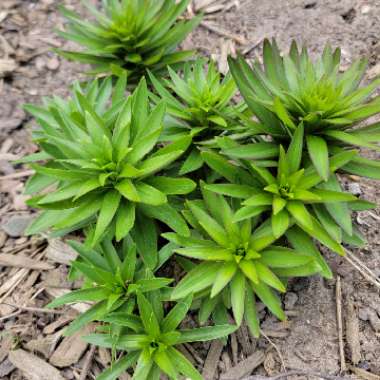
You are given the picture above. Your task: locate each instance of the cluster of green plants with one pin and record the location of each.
(155, 165)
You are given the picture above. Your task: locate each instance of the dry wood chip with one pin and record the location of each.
(44, 346)
(7, 65)
(245, 367)
(352, 333)
(61, 321)
(60, 252)
(11, 282)
(362, 374)
(21, 261)
(71, 348)
(33, 367)
(6, 344)
(6, 367)
(212, 359)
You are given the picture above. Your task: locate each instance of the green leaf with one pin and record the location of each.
(149, 194)
(232, 190)
(302, 216)
(125, 219)
(281, 257)
(250, 313)
(107, 211)
(119, 367)
(213, 229)
(206, 333)
(121, 318)
(248, 212)
(327, 196)
(223, 167)
(267, 276)
(267, 296)
(249, 270)
(209, 253)
(81, 295)
(223, 277)
(280, 223)
(294, 153)
(199, 278)
(283, 114)
(148, 317)
(128, 190)
(319, 155)
(144, 366)
(94, 313)
(159, 161)
(193, 162)
(257, 151)
(168, 215)
(237, 287)
(79, 214)
(172, 186)
(339, 211)
(261, 199)
(145, 235)
(176, 314)
(184, 365)
(164, 362)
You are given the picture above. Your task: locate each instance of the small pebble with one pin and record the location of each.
(354, 188)
(53, 64)
(16, 225)
(290, 300)
(365, 9)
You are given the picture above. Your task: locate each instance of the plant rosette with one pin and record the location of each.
(149, 341)
(200, 105)
(103, 164)
(288, 91)
(239, 261)
(129, 35)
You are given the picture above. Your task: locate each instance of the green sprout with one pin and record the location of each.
(131, 35)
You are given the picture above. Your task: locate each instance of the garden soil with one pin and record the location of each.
(316, 340)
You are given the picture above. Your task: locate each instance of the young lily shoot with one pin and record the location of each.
(112, 277)
(105, 163)
(288, 91)
(200, 105)
(149, 339)
(239, 261)
(188, 205)
(130, 35)
(289, 194)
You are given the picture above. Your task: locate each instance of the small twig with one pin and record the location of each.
(87, 363)
(251, 47)
(276, 348)
(296, 372)
(224, 33)
(361, 264)
(32, 309)
(25, 173)
(362, 269)
(15, 314)
(340, 323)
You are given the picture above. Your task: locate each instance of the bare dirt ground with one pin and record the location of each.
(33, 271)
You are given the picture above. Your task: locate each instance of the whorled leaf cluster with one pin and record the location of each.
(170, 168)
